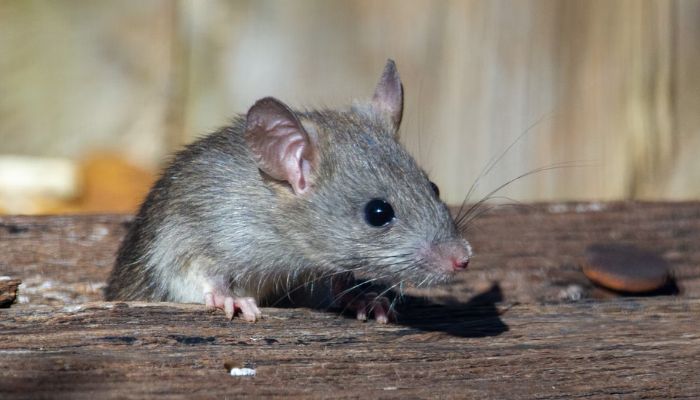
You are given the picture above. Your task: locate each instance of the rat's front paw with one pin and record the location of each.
(346, 294)
(370, 304)
(245, 305)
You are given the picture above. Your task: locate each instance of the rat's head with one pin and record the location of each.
(354, 198)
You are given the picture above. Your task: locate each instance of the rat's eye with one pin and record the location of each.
(378, 212)
(436, 189)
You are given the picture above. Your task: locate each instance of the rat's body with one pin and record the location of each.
(281, 199)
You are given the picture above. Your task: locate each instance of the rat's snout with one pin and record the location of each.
(460, 264)
(449, 257)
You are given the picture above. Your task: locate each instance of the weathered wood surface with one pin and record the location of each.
(523, 322)
(627, 348)
(534, 253)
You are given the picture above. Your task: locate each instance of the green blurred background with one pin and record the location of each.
(95, 94)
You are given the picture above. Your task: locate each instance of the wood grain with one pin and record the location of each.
(532, 252)
(626, 348)
(522, 322)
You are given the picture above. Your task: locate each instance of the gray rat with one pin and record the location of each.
(283, 200)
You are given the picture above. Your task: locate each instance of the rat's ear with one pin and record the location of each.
(281, 146)
(388, 96)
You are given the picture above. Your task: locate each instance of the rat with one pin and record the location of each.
(298, 204)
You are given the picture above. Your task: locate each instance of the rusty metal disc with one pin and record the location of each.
(625, 268)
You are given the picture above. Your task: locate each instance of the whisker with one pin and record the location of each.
(561, 165)
(289, 291)
(401, 257)
(383, 293)
(495, 160)
(348, 290)
(423, 281)
(463, 228)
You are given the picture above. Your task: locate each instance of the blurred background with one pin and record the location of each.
(603, 96)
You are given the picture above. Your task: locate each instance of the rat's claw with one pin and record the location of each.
(229, 307)
(382, 310)
(381, 307)
(361, 308)
(246, 305)
(249, 308)
(372, 304)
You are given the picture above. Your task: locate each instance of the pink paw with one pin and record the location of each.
(368, 304)
(245, 305)
(362, 304)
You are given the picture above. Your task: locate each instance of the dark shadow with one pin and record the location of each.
(478, 317)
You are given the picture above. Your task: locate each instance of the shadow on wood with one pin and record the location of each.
(477, 318)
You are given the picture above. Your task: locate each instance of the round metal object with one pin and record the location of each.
(625, 268)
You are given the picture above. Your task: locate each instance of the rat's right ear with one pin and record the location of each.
(281, 146)
(388, 95)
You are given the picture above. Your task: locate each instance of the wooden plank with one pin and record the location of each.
(532, 252)
(60, 259)
(523, 322)
(535, 252)
(627, 348)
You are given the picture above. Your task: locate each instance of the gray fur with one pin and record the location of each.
(214, 216)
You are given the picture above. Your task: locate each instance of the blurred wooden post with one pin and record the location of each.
(612, 85)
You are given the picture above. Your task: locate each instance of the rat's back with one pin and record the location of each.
(179, 228)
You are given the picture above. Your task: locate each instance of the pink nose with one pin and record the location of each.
(459, 265)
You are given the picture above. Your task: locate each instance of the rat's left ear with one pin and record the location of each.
(281, 146)
(388, 96)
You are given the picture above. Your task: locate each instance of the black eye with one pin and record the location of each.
(436, 189)
(378, 212)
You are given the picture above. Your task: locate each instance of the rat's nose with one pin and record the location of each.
(459, 265)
